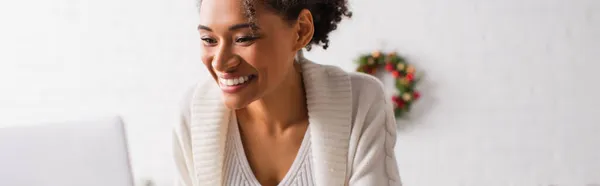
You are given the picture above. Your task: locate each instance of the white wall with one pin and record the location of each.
(74, 59)
(509, 96)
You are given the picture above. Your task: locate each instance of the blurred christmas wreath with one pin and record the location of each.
(403, 73)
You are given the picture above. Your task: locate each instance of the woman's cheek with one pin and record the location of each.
(205, 55)
(255, 57)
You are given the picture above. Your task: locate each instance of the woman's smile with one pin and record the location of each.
(235, 84)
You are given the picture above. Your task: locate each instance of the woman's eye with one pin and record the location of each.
(209, 41)
(245, 39)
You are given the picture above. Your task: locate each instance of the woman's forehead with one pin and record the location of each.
(225, 13)
(221, 8)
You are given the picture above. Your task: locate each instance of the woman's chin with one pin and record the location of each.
(235, 103)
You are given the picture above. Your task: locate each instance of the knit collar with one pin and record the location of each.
(329, 103)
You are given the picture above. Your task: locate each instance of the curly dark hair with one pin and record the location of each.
(327, 14)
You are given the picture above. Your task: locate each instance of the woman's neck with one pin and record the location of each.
(283, 107)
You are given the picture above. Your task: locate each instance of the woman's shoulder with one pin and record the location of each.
(366, 84)
(361, 83)
(365, 89)
(368, 95)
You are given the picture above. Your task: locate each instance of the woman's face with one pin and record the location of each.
(246, 64)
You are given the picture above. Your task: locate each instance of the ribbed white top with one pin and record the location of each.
(351, 139)
(237, 170)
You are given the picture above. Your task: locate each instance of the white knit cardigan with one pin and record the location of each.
(353, 131)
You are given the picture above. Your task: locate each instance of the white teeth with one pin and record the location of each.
(234, 81)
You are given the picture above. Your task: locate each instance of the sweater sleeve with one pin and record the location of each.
(375, 161)
(182, 150)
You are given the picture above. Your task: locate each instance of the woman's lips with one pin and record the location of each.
(235, 84)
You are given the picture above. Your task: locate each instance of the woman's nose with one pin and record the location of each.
(224, 60)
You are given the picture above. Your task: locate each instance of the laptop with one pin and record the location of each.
(85, 153)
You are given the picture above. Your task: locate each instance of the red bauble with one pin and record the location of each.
(389, 67)
(398, 102)
(396, 74)
(395, 99)
(410, 77)
(416, 95)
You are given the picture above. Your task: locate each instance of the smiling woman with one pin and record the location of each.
(271, 117)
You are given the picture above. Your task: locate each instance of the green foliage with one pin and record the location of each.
(403, 72)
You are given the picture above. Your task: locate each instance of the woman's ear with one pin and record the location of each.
(305, 29)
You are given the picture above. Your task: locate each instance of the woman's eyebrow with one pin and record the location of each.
(232, 27)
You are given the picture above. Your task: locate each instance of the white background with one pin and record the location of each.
(510, 95)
